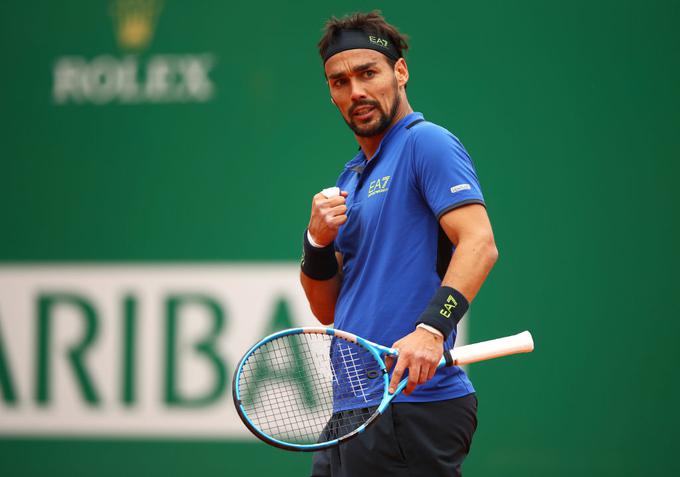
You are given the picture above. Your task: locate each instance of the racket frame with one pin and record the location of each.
(519, 343)
(373, 348)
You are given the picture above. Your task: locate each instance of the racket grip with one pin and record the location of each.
(519, 343)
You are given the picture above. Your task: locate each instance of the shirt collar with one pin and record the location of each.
(360, 159)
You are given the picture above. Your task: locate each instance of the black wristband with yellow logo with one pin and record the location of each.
(445, 310)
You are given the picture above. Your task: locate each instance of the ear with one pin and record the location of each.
(401, 72)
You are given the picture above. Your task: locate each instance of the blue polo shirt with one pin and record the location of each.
(394, 251)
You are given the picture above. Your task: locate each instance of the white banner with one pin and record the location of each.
(135, 350)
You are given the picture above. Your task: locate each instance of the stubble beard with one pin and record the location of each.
(384, 121)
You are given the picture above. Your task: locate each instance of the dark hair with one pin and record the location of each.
(371, 22)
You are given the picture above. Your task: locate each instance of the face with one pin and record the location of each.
(366, 89)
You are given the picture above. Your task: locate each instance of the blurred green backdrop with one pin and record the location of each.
(570, 110)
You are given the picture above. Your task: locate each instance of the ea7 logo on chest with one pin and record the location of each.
(378, 186)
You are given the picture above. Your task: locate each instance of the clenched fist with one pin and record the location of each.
(328, 214)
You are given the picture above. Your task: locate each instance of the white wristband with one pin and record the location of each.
(431, 329)
(312, 242)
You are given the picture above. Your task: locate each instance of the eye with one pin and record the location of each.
(339, 82)
(369, 73)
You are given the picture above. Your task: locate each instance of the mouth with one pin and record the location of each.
(363, 112)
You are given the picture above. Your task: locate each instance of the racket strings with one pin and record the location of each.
(342, 423)
(309, 388)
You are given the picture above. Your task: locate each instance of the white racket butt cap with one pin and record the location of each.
(331, 192)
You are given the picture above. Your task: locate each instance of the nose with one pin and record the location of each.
(358, 91)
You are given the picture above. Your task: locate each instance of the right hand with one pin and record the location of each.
(328, 214)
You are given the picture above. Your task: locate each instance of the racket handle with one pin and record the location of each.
(519, 343)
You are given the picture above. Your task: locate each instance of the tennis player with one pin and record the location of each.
(398, 255)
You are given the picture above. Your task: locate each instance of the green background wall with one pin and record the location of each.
(570, 110)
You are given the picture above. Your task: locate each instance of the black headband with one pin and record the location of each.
(356, 39)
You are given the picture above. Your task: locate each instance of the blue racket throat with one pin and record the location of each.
(307, 389)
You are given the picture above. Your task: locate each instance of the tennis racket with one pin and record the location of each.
(306, 389)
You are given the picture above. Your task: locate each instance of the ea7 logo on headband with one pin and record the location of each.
(378, 41)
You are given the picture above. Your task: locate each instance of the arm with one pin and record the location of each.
(322, 294)
(469, 230)
(327, 216)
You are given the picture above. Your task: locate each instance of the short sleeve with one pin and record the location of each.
(443, 170)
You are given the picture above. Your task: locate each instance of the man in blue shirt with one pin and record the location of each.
(398, 255)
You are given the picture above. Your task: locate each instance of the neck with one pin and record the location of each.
(370, 144)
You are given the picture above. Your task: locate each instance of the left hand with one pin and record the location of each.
(420, 353)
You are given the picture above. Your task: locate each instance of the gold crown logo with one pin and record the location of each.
(135, 21)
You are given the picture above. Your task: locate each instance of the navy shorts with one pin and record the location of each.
(410, 440)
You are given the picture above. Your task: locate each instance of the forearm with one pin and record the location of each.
(321, 274)
(322, 296)
(469, 229)
(470, 264)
